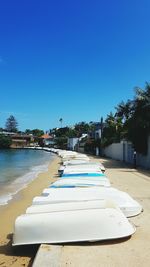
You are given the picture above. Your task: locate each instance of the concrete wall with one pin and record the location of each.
(120, 151)
(114, 151)
(81, 149)
(124, 151)
(72, 142)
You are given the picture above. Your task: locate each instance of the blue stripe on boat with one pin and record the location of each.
(62, 186)
(83, 174)
(70, 186)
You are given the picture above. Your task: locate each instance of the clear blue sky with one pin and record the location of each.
(70, 59)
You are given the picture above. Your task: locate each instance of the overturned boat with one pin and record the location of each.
(87, 174)
(78, 205)
(71, 226)
(80, 167)
(127, 204)
(80, 182)
(75, 161)
(84, 175)
(90, 169)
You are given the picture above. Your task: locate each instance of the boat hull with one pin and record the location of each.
(79, 182)
(127, 204)
(64, 206)
(71, 226)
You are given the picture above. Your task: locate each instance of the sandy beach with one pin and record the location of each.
(9, 212)
(132, 252)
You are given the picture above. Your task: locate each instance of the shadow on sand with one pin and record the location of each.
(19, 251)
(31, 250)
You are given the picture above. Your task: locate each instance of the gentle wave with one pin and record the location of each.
(11, 188)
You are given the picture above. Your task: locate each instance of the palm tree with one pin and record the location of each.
(139, 123)
(124, 110)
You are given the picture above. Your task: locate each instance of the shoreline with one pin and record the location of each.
(16, 207)
(17, 174)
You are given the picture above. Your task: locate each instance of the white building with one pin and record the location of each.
(72, 142)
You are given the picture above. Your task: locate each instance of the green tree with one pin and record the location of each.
(61, 142)
(81, 127)
(124, 110)
(11, 124)
(5, 141)
(132, 121)
(37, 132)
(28, 131)
(139, 123)
(62, 132)
(112, 131)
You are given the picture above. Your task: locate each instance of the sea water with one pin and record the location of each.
(18, 167)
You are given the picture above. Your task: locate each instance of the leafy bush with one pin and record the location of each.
(5, 141)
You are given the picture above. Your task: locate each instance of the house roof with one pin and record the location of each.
(46, 136)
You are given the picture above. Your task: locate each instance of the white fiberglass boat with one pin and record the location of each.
(71, 226)
(79, 182)
(83, 174)
(76, 161)
(81, 169)
(78, 205)
(127, 204)
(79, 176)
(88, 173)
(76, 156)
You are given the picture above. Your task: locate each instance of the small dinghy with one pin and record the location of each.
(82, 170)
(78, 157)
(87, 174)
(81, 165)
(71, 226)
(80, 182)
(75, 161)
(78, 205)
(91, 176)
(127, 204)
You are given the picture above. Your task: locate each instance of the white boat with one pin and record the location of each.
(75, 161)
(79, 182)
(80, 163)
(62, 153)
(81, 169)
(74, 156)
(83, 174)
(71, 226)
(88, 175)
(64, 206)
(126, 203)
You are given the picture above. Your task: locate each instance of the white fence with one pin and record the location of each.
(124, 151)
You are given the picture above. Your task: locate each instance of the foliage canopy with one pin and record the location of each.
(5, 141)
(11, 124)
